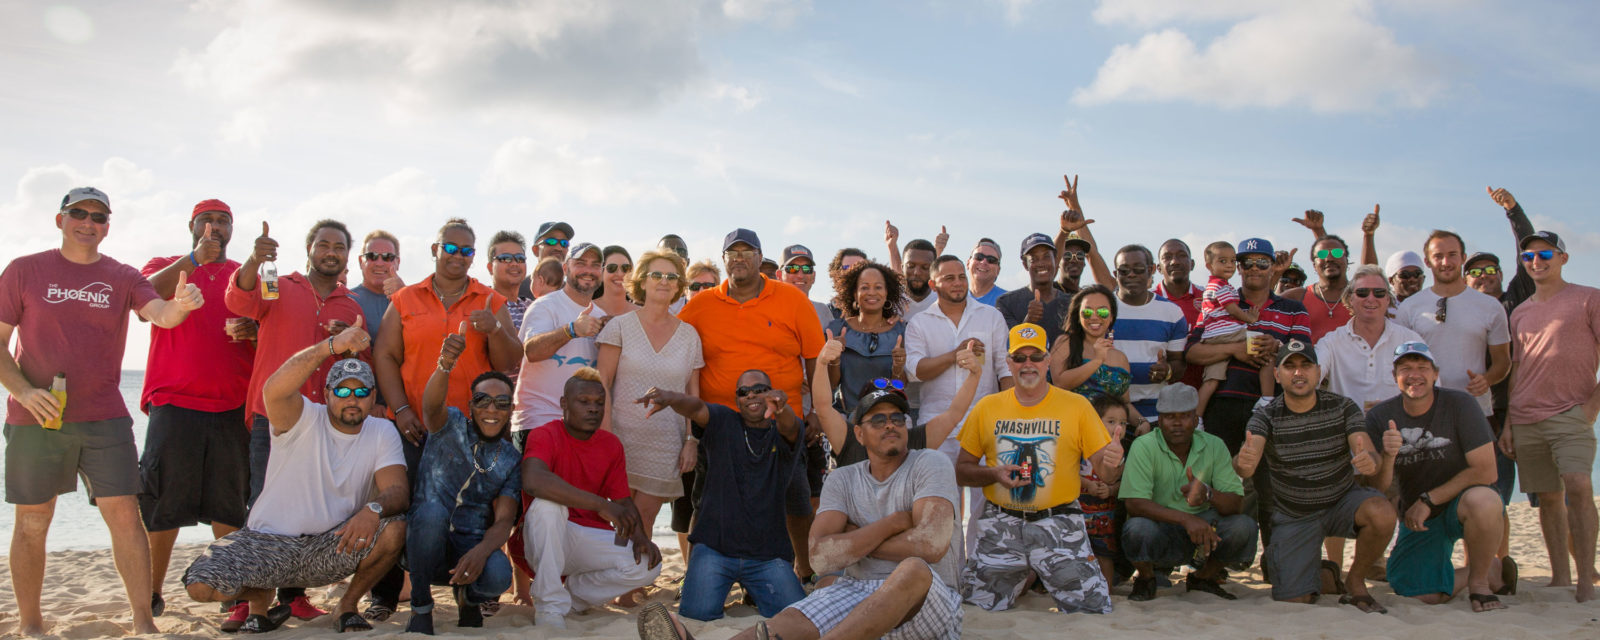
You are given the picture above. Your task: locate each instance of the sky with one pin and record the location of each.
(807, 121)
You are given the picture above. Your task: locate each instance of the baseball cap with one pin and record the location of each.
(1402, 260)
(741, 235)
(85, 193)
(1177, 398)
(1414, 348)
(1296, 269)
(1075, 240)
(1296, 347)
(211, 205)
(797, 251)
(1255, 245)
(581, 248)
(546, 228)
(350, 369)
(1547, 236)
(877, 397)
(1036, 240)
(1027, 334)
(767, 261)
(1481, 255)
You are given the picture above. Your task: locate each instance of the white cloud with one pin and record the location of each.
(558, 174)
(743, 98)
(247, 128)
(1327, 56)
(1013, 10)
(782, 12)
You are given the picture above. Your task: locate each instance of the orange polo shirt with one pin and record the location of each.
(773, 332)
(424, 323)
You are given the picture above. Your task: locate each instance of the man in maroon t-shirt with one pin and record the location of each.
(196, 462)
(581, 523)
(69, 307)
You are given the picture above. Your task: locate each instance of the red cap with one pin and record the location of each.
(211, 205)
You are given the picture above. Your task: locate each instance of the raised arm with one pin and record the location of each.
(1369, 237)
(1520, 286)
(970, 359)
(265, 250)
(505, 351)
(891, 238)
(171, 313)
(833, 423)
(282, 389)
(434, 409)
(1073, 220)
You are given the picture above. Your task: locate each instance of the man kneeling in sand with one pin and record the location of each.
(898, 503)
(316, 522)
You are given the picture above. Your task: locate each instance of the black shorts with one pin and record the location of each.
(44, 463)
(195, 468)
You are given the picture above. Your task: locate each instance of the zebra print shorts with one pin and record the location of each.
(247, 559)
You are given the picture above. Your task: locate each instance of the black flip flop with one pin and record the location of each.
(274, 618)
(1483, 601)
(1508, 575)
(352, 621)
(1364, 603)
(1338, 576)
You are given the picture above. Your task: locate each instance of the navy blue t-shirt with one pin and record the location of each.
(742, 512)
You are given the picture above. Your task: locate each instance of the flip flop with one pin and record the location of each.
(1481, 602)
(352, 621)
(1338, 576)
(1365, 603)
(1508, 575)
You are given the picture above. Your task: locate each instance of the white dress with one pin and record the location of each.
(652, 445)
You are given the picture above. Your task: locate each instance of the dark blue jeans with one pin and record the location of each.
(432, 550)
(711, 575)
(1167, 545)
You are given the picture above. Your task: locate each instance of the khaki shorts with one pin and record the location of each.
(1563, 443)
(1219, 370)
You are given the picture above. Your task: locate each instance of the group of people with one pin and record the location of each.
(520, 432)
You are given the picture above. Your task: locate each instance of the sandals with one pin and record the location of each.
(656, 623)
(1337, 580)
(352, 621)
(1481, 602)
(1213, 587)
(258, 623)
(378, 611)
(1508, 575)
(1365, 603)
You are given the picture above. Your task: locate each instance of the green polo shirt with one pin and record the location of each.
(1153, 472)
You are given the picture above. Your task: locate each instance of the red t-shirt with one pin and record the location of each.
(1189, 303)
(196, 365)
(296, 320)
(72, 318)
(595, 465)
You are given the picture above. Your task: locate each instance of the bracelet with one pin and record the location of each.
(572, 330)
(402, 408)
(444, 368)
(192, 260)
(331, 352)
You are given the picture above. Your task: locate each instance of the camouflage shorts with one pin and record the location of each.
(1057, 548)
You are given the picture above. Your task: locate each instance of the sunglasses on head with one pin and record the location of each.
(456, 249)
(882, 420)
(1335, 253)
(1478, 272)
(554, 242)
(508, 258)
(984, 257)
(614, 267)
(700, 286)
(482, 400)
(1104, 312)
(889, 383)
(660, 275)
(799, 268)
(1375, 292)
(374, 256)
(745, 392)
(345, 392)
(1259, 264)
(1038, 356)
(102, 218)
(1527, 256)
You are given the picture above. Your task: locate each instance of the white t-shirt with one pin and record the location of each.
(318, 476)
(931, 334)
(1473, 322)
(540, 383)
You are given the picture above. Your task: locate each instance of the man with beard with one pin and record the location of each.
(196, 462)
(1043, 302)
(558, 339)
(1330, 259)
(984, 265)
(1034, 438)
(466, 501)
(918, 269)
(309, 309)
(316, 521)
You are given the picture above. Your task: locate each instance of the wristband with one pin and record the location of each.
(572, 330)
(196, 263)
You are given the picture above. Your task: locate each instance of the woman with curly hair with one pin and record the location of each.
(871, 298)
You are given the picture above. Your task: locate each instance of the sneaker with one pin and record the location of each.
(302, 608)
(236, 617)
(471, 616)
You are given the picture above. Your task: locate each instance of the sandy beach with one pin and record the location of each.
(83, 599)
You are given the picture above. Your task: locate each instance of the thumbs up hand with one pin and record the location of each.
(352, 339)
(483, 320)
(586, 325)
(266, 249)
(1392, 440)
(897, 356)
(1196, 493)
(1477, 385)
(940, 240)
(1035, 308)
(187, 295)
(453, 345)
(1249, 455)
(207, 249)
(833, 348)
(1113, 451)
(1361, 458)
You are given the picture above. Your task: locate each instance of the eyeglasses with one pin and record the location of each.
(745, 392)
(614, 267)
(1020, 358)
(508, 258)
(1410, 274)
(889, 383)
(1371, 293)
(741, 254)
(984, 257)
(555, 242)
(700, 286)
(1259, 264)
(1104, 312)
(345, 392)
(799, 268)
(1335, 253)
(1479, 272)
(1527, 256)
(456, 249)
(1129, 271)
(102, 218)
(1068, 256)
(482, 400)
(1291, 280)
(668, 276)
(882, 420)
(373, 256)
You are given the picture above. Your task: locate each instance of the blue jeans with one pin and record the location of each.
(711, 575)
(432, 550)
(1167, 545)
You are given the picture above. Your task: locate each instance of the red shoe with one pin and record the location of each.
(236, 617)
(303, 609)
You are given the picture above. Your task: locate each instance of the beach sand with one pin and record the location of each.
(83, 598)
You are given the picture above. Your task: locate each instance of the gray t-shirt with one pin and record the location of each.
(853, 491)
(1473, 322)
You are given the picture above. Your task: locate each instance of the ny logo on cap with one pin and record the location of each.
(1249, 245)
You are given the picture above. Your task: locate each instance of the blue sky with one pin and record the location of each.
(810, 122)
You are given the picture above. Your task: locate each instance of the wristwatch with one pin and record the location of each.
(375, 507)
(1427, 500)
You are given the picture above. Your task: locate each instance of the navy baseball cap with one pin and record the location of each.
(1255, 245)
(741, 235)
(546, 228)
(1547, 236)
(797, 251)
(1037, 240)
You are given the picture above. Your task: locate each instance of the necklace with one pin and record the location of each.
(1317, 290)
(434, 284)
(479, 468)
(747, 446)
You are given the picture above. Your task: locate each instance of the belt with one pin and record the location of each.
(1034, 516)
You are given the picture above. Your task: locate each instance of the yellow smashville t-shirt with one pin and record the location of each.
(1051, 438)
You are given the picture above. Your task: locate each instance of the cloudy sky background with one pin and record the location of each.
(807, 121)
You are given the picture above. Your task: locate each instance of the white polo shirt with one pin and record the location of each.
(1358, 371)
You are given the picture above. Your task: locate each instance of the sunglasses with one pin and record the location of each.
(102, 218)
(1259, 264)
(508, 258)
(1527, 256)
(1479, 272)
(1444, 308)
(614, 267)
(1128, 271)
(345, 392)
(888, 383)
(701, 286)
(1104, 312)
(741, 254)
(984, 257)
(1069, 256)
(745, 392)
(482, 400)
(555, 242)
(373, 256)
(1020, 358)
(885, 419)
(1292, 280)
(456, 249)
(1410, 274)
(1371, 293)
(799, 268)
(1335, 253)
(659, 275)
